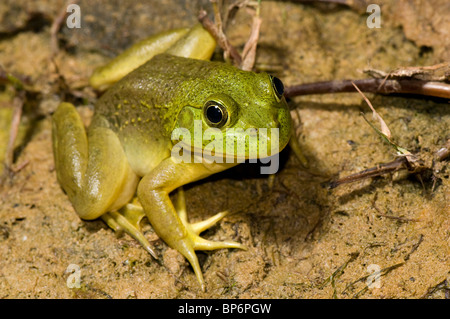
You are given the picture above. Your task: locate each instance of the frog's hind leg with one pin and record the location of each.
(92, 168)
(195, 43)
(94, 172)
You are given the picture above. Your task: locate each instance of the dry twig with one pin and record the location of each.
(249, 52)
(406, 159)
(379, 86)
(382, 272)
(338, 273)
(56, 26)
(443, 285)
(15, 122)
(398, 164)
(245, 61)
(230, 52)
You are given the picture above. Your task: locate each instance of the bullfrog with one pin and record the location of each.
(123, 168)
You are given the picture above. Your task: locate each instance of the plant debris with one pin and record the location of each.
(246, 60)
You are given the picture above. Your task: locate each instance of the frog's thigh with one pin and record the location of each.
(69, 148)
(99, 179)
(109, 181)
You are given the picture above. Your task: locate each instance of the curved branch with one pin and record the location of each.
(381, 86)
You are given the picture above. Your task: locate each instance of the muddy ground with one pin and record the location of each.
(304, 239)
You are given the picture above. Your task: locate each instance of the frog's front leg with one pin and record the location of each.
(93, 170)
(170, 225)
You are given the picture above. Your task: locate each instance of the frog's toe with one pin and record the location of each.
(201, 226)
(195, 229)
(128, 219)
(199, 243)
(193, 242)
(203, 244)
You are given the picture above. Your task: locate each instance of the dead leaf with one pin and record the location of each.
(438, 72)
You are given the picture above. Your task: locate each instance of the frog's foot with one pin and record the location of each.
(195, 229)
(193, 241)
(128, 219)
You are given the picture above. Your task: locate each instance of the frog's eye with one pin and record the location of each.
(215, 114)
(277, 86)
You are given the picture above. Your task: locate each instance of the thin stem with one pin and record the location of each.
(382, 86)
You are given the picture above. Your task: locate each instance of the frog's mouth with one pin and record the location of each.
(232, 148)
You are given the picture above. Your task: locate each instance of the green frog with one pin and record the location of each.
(123, 168)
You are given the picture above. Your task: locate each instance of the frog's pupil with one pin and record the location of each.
(278, 86)
(214, 114)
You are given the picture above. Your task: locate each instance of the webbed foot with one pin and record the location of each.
(193, 241)
(195, 229)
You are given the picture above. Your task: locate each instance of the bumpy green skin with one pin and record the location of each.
(144, 107)
(127, 149)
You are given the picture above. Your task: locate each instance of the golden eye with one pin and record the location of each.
(277, 86)
(215, 114)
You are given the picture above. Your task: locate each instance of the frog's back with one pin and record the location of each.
(142, 107)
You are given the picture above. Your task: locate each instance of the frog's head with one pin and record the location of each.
(234, 113)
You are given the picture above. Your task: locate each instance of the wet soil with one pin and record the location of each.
(304, 239)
